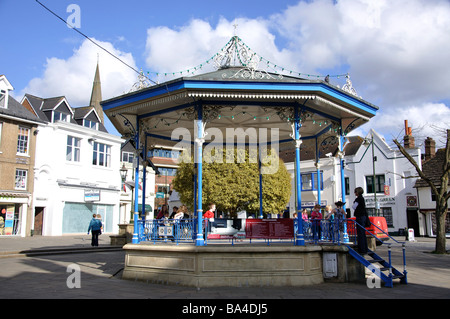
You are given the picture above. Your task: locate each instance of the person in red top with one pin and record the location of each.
(316, 216)
(210, 212)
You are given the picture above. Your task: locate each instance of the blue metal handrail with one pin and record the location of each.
(389, 263)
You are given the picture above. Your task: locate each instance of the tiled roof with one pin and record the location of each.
(433, 169)
(17, 110)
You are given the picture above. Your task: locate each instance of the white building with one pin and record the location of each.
(127, 193)
(394, 190)
(394, 181)
(76, 168)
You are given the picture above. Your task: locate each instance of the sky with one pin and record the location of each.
(397, 53)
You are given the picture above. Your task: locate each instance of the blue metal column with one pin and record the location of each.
(135, 239)
(300, 238)
(260, 185)
(319, 195)
(345, 238)
(195, 187)
(199, 144)
(144, 179)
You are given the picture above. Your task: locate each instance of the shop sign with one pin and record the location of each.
(91, 195)
(382, 201)
(323, 203)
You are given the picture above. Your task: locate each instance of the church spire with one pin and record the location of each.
(96, 95)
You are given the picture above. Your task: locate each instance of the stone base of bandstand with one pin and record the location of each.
(237, 266)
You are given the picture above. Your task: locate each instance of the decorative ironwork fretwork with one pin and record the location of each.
(348, 86)
(142, 83)
(237, 53)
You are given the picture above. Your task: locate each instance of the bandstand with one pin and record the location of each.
(271, 109)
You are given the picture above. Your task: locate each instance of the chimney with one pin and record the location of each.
(430, 148)
(408, 139)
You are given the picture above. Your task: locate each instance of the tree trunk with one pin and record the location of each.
(441, 216)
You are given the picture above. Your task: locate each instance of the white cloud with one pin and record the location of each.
(176, 50)
(396, 52)
(73, 77)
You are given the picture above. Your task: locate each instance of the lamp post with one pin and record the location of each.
(123, 176)
(123, 173)
(367, 142)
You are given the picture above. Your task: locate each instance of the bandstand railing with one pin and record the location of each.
(185, 231)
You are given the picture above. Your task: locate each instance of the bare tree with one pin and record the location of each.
(439, 188)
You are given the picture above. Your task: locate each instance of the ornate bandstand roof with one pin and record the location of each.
(239, 95)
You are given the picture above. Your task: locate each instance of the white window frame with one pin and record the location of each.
(61, 116)
(3, 104)
(75, 150)
(21, 179)
(101, 151)
(90, 124)
(23, 144)
(127, 157)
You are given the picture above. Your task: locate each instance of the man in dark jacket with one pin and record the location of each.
(95, 225)
(359, 205)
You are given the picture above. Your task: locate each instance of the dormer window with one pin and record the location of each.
(3, 97)
(59, 116)
(90, 124)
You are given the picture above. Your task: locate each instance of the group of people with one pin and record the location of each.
(329, 213)
(177, 212)
(360, 212)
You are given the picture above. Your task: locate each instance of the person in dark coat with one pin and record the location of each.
(95, 227)
(359, 205)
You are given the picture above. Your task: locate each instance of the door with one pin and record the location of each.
(413, 220)
(38, 221)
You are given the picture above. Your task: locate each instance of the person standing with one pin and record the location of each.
(360, 212)
(210, 212)
(95, 227)
(316, 219)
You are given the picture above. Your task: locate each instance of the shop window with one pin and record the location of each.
(23, 140)
(73, 149)
(21, 179)
(101, 155)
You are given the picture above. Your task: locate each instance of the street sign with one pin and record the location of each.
(159, 195)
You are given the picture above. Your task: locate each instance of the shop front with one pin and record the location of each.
(13, 212)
